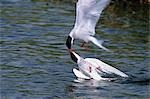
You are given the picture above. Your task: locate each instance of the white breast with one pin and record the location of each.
(89, 69)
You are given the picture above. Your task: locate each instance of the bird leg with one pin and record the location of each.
(99, 68)
(85, 45)
(90, 69)
(82, 45)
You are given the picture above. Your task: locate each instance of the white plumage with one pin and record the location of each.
(89, 68)
(87, 15)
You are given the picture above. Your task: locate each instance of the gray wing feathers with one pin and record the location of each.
(88, 13)
(105, 67)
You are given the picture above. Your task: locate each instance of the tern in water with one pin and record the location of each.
(87, 15)
(91, 68)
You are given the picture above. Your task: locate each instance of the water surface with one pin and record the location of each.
(35, 63)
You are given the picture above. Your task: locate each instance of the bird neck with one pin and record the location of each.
(71, 34)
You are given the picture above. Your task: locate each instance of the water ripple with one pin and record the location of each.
(35, 63)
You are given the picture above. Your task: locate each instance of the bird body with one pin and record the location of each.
(87, 15)
(90, 68)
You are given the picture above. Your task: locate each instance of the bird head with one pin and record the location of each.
(69, 42)
(75, 57)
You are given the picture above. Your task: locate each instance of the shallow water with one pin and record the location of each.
(35, 63)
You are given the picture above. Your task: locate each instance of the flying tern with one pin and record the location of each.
(87, 15)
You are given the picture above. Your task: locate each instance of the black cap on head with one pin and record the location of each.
(73, 57)
(68, 42)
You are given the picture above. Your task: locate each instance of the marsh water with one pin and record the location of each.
(35, 63)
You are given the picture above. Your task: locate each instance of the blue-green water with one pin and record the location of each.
(35, 63)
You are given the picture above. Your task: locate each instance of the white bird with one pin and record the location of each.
(90, 68)
(87, 15)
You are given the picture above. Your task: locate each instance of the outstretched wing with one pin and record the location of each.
(87, 15)
(105, 67)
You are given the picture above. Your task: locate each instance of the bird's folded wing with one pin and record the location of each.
(105, 67)
(109, 69)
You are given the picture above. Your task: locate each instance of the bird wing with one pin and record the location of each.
(80, 74)
(105, 67)
(87, 15)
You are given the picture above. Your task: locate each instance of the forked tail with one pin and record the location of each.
(98, 43)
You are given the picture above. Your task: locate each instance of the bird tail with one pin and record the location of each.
(98, 43)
